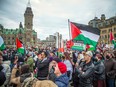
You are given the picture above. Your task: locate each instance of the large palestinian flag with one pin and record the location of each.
(2, 45)
(19, 45)
(84, 36)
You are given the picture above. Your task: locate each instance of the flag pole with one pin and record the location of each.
(69, 29)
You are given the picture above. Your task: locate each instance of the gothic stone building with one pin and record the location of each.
(105, 26)
(27, 35)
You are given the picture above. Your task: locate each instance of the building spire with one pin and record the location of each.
(29, 4)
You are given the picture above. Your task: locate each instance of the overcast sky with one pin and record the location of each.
(52, 16)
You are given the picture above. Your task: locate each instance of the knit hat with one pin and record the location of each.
(89, 53)
(62, 67)
(2, 78)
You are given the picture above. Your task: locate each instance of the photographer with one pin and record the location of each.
(23, 74)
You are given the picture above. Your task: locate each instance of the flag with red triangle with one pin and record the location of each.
(20, 47)
(84, 36)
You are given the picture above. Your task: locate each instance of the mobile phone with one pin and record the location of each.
(53, 68)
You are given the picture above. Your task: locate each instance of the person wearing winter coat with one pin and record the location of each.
(2, 74)
(68, 64)
(61, 80)
(30, 61)
(110, 69)
(26, 79)
(99, 73)
(43, 67)
(52, 75)
(6, 69)
(23, 74)
(2, 77)
(86, 71)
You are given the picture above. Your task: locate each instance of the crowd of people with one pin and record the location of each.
(49, 68)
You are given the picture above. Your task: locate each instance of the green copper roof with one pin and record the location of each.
(17, 31)
(34, 33)
(13, 31)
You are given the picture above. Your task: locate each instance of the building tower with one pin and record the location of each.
(28, 23)
(28, 17)
(20, 25)
(103, 17)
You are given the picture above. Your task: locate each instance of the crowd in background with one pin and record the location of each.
(49, 68)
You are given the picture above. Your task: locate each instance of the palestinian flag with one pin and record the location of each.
(19, 45)
(86, 35)
(2, 45)
(112, 39)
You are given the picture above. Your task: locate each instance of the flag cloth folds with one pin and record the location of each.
(2, 45)
(88, 36)
(112, 39)
(19, 45)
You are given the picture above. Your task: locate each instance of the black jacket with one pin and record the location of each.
(42, 67)
(86, 78)
(99, 73)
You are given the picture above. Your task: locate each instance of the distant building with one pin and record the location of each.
(105, 26)
(51, 41)
(26, 34)
(51, 38)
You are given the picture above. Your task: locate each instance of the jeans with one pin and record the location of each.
(110, 82)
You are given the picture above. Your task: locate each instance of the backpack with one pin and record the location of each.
(28, 82)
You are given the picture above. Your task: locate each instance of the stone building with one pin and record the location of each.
(49, 42)
(105, 26)
(26, 34)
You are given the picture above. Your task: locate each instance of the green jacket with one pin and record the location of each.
(30, 62)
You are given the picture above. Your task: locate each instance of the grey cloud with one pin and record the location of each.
(53, 14)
